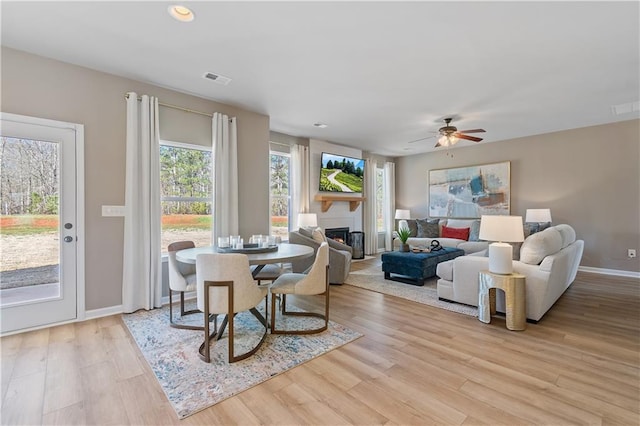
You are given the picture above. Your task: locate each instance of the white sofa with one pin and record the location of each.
(549, 260)
(468, 246)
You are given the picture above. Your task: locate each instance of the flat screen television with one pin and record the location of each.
(339, 173)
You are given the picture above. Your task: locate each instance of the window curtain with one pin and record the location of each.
(142, 267)
(389, 203)
(369, 210)
(225, 176)
(299, 183)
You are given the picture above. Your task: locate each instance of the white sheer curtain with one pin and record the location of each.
(225, 148)
(142, 267)
(389, 203)
(370, 217)
(299, 183)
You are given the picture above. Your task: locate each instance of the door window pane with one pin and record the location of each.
(29, 221)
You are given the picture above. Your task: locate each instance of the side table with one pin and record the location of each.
(513, 286)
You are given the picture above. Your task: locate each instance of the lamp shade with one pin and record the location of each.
(501, 228)
(403, 214)
(538, 216)
(307, 220)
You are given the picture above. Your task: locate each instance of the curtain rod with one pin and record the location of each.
(126, 96)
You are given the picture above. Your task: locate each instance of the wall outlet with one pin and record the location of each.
(631, 253)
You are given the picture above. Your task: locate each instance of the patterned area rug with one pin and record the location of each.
(373, 279)
(192, 385)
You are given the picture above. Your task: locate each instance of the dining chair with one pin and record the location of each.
(268, 272)
(226, 286)
(182, 278)
(314, 282)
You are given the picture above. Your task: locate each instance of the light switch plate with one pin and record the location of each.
(108, 211)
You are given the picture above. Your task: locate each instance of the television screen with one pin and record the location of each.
(339, 173)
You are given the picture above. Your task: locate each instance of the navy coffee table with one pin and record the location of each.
(414, 268)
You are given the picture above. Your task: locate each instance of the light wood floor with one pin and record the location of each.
(415, 365)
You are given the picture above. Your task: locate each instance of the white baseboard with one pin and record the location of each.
(615, 272)
(115, 310)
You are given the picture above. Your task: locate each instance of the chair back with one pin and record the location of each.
(316, 280)
(179, 270)
(227, 267)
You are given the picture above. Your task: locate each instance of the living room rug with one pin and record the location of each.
(373, 279)
(192, 385)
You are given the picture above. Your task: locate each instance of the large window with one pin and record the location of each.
(186, 193)
(280, 196)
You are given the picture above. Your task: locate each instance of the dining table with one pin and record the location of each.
(285, 253)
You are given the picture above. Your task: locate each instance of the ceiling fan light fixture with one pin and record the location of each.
(448, 140)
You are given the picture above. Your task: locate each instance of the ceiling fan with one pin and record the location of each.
(450, 135)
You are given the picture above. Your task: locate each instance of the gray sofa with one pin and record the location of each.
(339, 256)
(472, 245)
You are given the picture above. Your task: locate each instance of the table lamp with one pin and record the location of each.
(538, 216)
(403, 215)
(502, 230)
(307, 220)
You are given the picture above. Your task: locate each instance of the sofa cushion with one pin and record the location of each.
(539, 245)
(428, 228)
(568, 234)
(459, 233)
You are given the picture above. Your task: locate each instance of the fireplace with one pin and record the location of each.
(340, 235)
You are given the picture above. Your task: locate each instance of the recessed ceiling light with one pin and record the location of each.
(181, 13)
(320, 125)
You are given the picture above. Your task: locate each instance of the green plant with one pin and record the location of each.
(403, 234)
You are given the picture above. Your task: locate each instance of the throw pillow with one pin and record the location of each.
(318, 235)
(305, 232)
(474, 231)
(427, 228)
(458, 233)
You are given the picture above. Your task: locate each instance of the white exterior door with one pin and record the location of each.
(42, 221)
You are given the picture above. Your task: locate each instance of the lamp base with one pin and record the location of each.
(500, 258)
(403, 224)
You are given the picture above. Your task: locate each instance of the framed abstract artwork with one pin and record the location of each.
(471, 191)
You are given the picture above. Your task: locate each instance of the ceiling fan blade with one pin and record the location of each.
(469, 138)
(421, 139)
(472, 131)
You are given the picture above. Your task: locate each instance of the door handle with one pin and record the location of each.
(68, 239)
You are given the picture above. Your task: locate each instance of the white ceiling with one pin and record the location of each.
(379, 74)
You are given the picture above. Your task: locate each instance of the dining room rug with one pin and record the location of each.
(192, 385)
(373, 279)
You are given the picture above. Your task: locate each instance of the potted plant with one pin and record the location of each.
(403, 235)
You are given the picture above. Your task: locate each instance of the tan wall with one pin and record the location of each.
(588, 177)
(40, 87)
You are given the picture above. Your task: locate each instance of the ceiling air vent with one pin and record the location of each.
(220, 79)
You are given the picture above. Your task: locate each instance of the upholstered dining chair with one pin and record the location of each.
(269, 273)
(182, 278)
(314, 282)
(226, 286)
